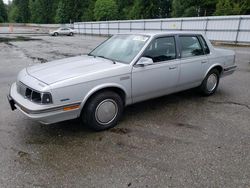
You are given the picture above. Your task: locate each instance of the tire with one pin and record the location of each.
(210, 83)
(56, 34)
(95, 114)
(71, 34)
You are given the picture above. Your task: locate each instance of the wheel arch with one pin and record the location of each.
(111, 87)
(216, 66)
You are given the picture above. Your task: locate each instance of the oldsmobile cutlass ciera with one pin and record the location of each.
(125, 69)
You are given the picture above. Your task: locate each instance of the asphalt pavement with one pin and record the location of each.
(180, 140)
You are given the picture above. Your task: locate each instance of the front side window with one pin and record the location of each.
(204, 45)
(161, 49)
(121, 48)
(190, 46)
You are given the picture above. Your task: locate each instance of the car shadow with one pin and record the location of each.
(75, 126)
(72, 131)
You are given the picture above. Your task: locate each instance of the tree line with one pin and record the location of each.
(65, 11)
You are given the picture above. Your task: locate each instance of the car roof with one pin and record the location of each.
(156, 33)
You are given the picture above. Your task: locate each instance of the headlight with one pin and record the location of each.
(46, 98)
(33, 95)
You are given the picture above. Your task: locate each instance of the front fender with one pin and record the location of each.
(103, 86)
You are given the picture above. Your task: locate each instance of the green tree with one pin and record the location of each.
(190, 12)
(64, 11)
(224, 7)
(13, 13)
(19, 11)
(78, 7)
(61, 13)
(42, 11)
(177, 8)
(148, 9)
(245, 7)
(106, 10)
(3, 12)
(165, 8)
(124, 8)
(187, 8)
(235, 7)
(208, 7)
(69, 10)
(136, 10)
(88, 11)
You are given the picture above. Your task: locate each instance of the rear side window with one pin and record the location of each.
(161, 49)
(204, 45)
(190, 46)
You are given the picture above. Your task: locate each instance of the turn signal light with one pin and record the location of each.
(68, 108)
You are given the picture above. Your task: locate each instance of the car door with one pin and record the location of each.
(66, 31)
(63, 31)
(59, 31)
(192, 58)
(160, 77)
(206, 64)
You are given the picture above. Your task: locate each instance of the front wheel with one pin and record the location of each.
(103, 111)
(210, 83)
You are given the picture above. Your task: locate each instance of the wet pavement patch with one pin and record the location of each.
(17, 39)
(22, 154)
(230, 103)
(41, 60)
(120, 131)
(186, 125)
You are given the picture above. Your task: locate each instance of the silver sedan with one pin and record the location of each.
(62, 31)
(125, 69)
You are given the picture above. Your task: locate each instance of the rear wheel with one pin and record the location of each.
(210, 83)
(103, 111)
(56, 34)
(71, 34)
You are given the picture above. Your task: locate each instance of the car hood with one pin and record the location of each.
(69, 68)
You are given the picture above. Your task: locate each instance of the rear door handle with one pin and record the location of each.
(203, 62)
(172, 68)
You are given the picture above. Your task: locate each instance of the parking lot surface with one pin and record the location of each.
(180, 140)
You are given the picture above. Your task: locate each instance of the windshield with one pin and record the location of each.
(121, 48)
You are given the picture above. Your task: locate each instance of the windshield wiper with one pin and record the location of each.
(107, 58)
(92, 55)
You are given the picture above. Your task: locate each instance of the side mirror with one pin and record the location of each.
(144, 61)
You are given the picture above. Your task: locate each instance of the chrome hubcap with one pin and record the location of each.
(106, 111)
(212, 82)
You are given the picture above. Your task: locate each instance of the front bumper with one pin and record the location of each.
(45, 114)
(229, 70)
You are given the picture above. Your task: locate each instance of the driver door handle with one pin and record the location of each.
(172, 67)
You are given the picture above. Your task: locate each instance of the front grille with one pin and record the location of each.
(29, 93)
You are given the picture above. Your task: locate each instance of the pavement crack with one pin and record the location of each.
(10, 45)
(57, 53)
(231, 103)
(39, 59)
